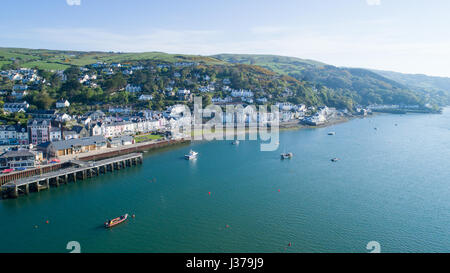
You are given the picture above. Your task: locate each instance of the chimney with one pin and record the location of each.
(62, 131)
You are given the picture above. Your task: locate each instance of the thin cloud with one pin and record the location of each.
(73, 2)
(151, 40)
(268, 30)
(375, 49)
(373, 2)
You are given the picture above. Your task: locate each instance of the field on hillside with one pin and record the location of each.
(59, 60)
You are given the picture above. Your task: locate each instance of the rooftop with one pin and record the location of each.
(16, 153)
(77, 142)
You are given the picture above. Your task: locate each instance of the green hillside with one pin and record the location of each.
(309, 81)
(435, 87)
(361, 85)
(279, 64)
(60, 60)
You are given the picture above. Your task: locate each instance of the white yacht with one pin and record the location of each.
(192, 155)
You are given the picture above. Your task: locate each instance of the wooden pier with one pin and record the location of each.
(80, 170)
(107, 153)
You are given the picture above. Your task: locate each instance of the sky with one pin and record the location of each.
(409, 36)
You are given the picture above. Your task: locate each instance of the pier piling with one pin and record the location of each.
(23, 186)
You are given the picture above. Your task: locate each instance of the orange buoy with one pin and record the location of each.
(47, 222)
(278, 190)
(209, 193)
(227, 226)
(289, 244)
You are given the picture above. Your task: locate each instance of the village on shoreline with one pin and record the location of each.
(55, 133)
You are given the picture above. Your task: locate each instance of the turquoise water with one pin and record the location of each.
(391, 185)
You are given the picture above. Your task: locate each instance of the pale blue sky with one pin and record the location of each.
(411, 36)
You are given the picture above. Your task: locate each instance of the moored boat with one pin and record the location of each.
(7, 170)
(335, 159)
(331, 133)
(236, 142)
(287, 155)
(192, 155)
(116, 221)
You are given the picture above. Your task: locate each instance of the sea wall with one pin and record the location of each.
(134, 149)
(5, 178)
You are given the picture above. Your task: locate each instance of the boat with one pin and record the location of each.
(55, 160)
(331, 133)
(192, 155)
(335, 159)
(7, 170)
(236, 142)
(287, 155)
(116, 221)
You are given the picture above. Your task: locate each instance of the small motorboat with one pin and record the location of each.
(331, 133)
(192, 155)
(7, 170)
(335, 159)
(116, 221)
(236, 142)
(287, 155)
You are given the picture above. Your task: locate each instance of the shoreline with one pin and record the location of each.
(286, 126)
(155, 146)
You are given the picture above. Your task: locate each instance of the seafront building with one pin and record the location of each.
(72, 146)
(22, 158)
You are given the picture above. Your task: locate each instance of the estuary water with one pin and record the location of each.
(391, 185)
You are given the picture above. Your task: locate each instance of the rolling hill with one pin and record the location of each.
(59, 59)
(437, 87)
(313, 82)
(364, 86)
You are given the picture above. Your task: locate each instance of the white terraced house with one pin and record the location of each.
(242, 93)
(145, 97)
(133, 88)
(62, 104)
(16, 107)
(13, 134)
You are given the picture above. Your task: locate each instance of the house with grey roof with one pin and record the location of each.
(82, 131)
(21, 158)
(72, 146)
(15, 107)
(95, 115)
(120, 141)
(13, 135)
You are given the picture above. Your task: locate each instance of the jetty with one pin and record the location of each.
(78, 170)
(90, 156)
